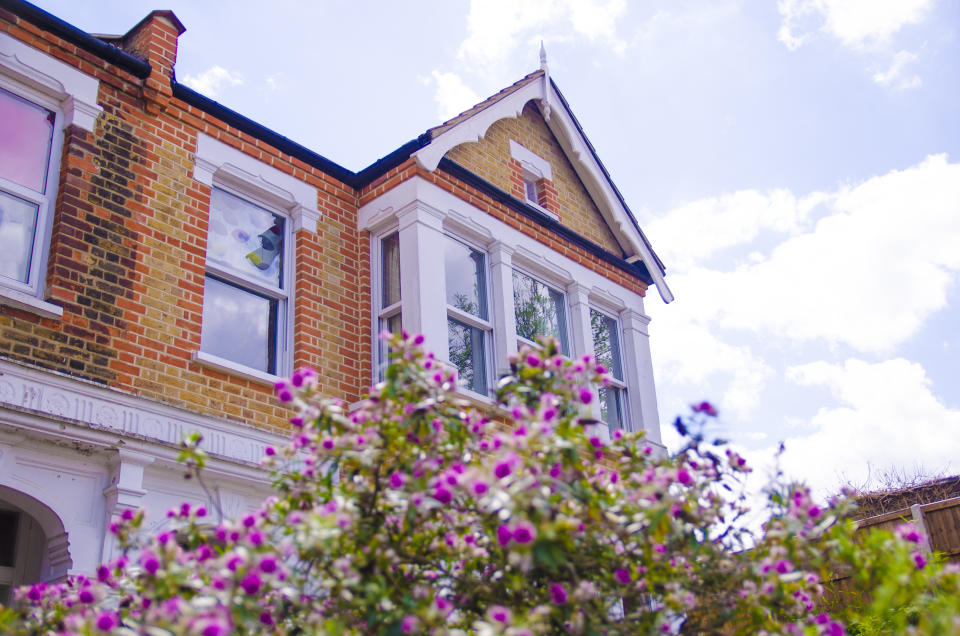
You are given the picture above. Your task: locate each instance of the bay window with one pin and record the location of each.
(468, 321)
(606, 346)
(539, 311)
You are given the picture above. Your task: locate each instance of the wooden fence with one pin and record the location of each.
(939, 521)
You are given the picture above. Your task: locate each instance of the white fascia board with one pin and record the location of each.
(475, 127)
(593, 178)
(577, 151)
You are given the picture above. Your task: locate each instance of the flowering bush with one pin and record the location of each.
(414, 514)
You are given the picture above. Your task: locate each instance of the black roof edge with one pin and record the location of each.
(638, 269)
(40, 18)
(261, 132)
(606, 174)
(390, 161)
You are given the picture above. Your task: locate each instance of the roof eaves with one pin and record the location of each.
(487, 103)
(638, 269)
(252, 128)
(40, 18)
(606, 175)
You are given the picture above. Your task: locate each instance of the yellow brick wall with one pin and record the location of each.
(490, 158)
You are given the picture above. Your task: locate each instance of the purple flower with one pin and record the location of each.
(480, 487)
(533, 360)
(502, 469)
(270, 451)
(622, 576)
(266, 618)
(683, 476)
(409, 624)
(706, 408)
(86, 595)
(500, 614)
(150, 562)
(919, 559)
(397, 480)
(251, 583)
(107, 621)
(558, 594)
(504, 535)
(216, 628)
(418, 339)
(127, 514)
(268, 564)
(586, 395)
(442, 495)
(784, 566)
(524, 532)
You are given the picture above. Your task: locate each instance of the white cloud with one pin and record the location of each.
(886, 417)
(893, 236)
(726, 221)
(496, 28)
(451, 95)
(858, 24)
(895, 76)
(212, 80)
(687, 353)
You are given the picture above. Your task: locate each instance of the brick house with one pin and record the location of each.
(163, 260)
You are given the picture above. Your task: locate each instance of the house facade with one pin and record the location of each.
(164, 260)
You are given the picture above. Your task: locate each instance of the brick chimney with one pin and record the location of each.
(155, 39)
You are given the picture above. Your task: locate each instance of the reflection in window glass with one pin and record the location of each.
(26, 134)
(468, 355)
(466, 278)
(239, 325)
(606, 347)
(18, 226)
(245, 238)
(539, 310)
(390, 269)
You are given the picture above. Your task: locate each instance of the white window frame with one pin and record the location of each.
(534, 169)
(565, 307)
(486, 326)
(282, 338)
(71, 95)
(221, 166)
(621, 385)
(382, 313)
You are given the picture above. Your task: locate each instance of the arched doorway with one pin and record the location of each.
(33, 543)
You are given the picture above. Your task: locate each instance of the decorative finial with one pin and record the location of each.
(545, 100)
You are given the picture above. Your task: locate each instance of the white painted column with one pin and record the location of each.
(578, 298)
(501, 277)
(641, 391)
(125, 492)
(422, 277)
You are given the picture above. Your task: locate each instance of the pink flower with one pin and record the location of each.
(558, 594)
(504, 535)
(706, 408)
(524, 532)
(500, 614)
(907, 532)
(409, 624)
(919, 559)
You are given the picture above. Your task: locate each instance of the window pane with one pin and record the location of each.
(26, 132)
(9, 523)
(530, 189)
(390, 266)
(466, 278)
(539, 310)
(606, 343)
(468, 355)
(611, 406)
(239, 325)
(245, 238)
(18, 227)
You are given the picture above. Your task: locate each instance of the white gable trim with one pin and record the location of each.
(578, 151)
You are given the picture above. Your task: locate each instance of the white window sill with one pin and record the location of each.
(26, 302)
(542, 209)
(235, 368)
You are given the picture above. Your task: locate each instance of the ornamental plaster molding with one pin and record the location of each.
(75, 91)
(216, 161)
(125, 418)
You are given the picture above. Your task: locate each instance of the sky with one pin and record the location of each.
(794, 163)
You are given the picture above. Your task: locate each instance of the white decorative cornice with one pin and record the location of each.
(74, 91)
(217, 162)
(78, 409)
